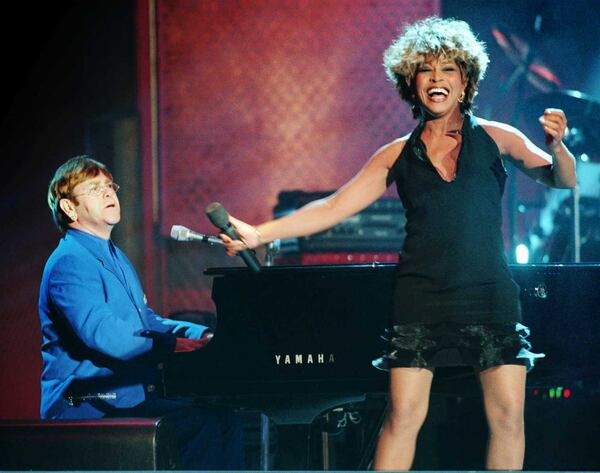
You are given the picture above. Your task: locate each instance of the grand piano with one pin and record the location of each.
(294, 341)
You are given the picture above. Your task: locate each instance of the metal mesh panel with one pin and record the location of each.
(256, 97)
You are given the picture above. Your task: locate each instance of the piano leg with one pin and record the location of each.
(264, 442)
(325, 450)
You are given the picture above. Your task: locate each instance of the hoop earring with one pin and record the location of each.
(461, 99)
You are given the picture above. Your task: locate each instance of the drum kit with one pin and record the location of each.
(568, 221)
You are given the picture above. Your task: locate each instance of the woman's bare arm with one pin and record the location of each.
(556, 169)
(361, 191)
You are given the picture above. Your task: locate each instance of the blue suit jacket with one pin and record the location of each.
(93, 312)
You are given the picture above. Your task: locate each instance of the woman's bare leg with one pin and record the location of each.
(408, 404)
(504, 402)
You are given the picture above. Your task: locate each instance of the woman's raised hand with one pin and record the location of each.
(554, 122)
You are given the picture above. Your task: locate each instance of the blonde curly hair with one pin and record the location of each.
(434, 37)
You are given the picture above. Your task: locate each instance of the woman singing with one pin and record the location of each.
(455, 300)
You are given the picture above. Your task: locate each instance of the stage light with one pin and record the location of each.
(522, 253)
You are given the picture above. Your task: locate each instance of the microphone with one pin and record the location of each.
(181, 233)
(220, 218)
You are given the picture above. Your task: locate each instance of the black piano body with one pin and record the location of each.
(294, 341)
(290, 341)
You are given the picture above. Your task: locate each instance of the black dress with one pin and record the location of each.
(455, 302)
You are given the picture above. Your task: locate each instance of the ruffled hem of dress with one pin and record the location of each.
(480, 345)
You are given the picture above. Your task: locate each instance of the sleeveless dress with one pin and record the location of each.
(455, 302)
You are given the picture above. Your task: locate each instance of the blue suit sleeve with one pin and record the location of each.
(103, 318)
(185, 329)
(155, 322)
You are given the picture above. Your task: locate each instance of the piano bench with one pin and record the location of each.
(90, 444)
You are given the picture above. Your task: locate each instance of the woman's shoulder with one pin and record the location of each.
(501, 133)
(391, 151)
(494, 126)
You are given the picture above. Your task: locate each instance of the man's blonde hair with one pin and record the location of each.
(75, 171)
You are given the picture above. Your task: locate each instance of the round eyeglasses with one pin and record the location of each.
(98, 190)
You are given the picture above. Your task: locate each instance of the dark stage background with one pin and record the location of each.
(253, 97)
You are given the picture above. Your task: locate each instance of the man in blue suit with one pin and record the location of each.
(101, 342)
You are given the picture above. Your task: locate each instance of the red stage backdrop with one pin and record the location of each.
(257, 97)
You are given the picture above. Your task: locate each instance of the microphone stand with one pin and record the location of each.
(575, 204)
(576, 226)
(272, 249)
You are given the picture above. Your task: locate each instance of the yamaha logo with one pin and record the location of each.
(304, 359)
